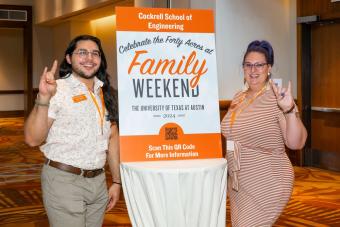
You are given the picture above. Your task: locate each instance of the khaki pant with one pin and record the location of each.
(72, 200)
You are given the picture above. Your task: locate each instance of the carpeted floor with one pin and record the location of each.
(315, 200)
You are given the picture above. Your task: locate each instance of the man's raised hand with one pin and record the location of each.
(47, 84)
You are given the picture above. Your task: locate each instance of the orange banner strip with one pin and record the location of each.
(164, 20)
(170, 144)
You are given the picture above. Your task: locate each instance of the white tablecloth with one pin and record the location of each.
(184, 193)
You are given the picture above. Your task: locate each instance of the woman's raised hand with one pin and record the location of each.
(284, 96)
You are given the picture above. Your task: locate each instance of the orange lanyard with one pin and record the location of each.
(235, 113)
(101, 113)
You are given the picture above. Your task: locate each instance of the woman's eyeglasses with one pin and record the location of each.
(257, 66)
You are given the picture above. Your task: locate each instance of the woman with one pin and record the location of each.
(261, 120)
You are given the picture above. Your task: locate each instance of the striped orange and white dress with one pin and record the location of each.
(260, 174)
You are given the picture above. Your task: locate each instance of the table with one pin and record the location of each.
(183, 193)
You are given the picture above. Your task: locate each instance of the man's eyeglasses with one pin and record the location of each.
(257, 66)
(84, 53)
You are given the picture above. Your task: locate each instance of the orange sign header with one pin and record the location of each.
(164, 20)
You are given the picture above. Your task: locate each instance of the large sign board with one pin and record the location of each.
(167, 83)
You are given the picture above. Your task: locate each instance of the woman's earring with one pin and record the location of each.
(246, 86)
(269, 75)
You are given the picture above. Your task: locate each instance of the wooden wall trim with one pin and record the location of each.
(11, 92)
(11, 113)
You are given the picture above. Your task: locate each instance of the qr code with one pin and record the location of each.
(171, 134)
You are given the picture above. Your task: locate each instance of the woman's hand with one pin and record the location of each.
(284, 96)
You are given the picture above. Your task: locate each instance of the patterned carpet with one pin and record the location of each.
(315, 200)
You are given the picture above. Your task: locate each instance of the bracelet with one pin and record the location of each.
(38, 103)
(290, 110)
(115, 182)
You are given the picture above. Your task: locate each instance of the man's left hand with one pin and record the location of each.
(114, 193)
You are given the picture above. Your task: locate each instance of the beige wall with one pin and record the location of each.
(61, 37)
(11, 59)
(11, 67)
(47, 10)
(43, 51)
(105, 30)
(242, 21)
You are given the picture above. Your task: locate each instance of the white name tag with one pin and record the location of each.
(230, 145)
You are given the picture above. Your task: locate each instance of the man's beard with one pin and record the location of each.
(81, 74)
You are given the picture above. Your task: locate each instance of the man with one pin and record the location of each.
(77, 117)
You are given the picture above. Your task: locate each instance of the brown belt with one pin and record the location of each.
(74, 170)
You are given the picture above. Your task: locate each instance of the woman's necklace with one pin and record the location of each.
(238, 111)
